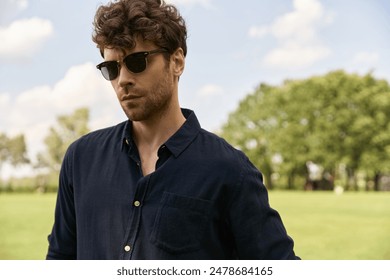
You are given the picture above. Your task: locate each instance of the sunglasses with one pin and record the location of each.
(135, 63)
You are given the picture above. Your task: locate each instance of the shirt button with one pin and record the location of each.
(127, 248)
(127, 142)
(137, 203)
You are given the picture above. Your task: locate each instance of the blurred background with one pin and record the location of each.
(301, 86)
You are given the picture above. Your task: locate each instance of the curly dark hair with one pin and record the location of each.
(120, 22)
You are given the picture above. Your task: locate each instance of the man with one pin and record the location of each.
(157, 186)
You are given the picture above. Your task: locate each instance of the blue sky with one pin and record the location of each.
(47, 58)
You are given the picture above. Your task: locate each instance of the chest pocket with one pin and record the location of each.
(180, 223)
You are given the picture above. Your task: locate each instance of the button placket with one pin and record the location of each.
(128, 246)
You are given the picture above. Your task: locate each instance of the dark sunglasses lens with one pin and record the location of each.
(109, 71)
(136, 63)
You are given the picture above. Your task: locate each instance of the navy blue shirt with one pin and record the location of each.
(204, 201)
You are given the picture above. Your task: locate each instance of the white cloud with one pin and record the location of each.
(297, 34)
(210, 90)
(300, 23)
(258, 31)
(366, 58)
(294, 56)
(33, 111)
(22, 38)
(4, 100)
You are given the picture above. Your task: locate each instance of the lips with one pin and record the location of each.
(129, 97)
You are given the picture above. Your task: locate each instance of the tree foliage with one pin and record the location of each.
(13, 150)
(68, 129)
(331, 120)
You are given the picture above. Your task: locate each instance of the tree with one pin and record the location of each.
(13, 150)
(334, 119)
(68, 129)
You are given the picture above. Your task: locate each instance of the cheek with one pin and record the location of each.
(115, 86)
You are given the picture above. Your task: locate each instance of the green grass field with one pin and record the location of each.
(25, 222)
(324, 226)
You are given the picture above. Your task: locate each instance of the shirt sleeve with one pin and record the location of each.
(62, 240)
(258, 230)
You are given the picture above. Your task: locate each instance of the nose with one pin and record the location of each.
(125, 78)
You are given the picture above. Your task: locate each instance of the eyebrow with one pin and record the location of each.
(122, 50)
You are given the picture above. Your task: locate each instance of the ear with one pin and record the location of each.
(178, 62)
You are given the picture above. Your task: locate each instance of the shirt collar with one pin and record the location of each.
(178, 142)
(185, 135)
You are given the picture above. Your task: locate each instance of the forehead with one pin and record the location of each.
(115, 53)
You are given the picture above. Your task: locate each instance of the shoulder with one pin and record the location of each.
(231, 164)
(217, 143)
(109, 133)
(100, 138)
(217, 148)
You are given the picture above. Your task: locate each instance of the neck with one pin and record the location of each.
(154, 132)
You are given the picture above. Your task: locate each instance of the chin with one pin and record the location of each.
(135, 116)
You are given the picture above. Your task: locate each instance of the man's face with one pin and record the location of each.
(147, 95)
